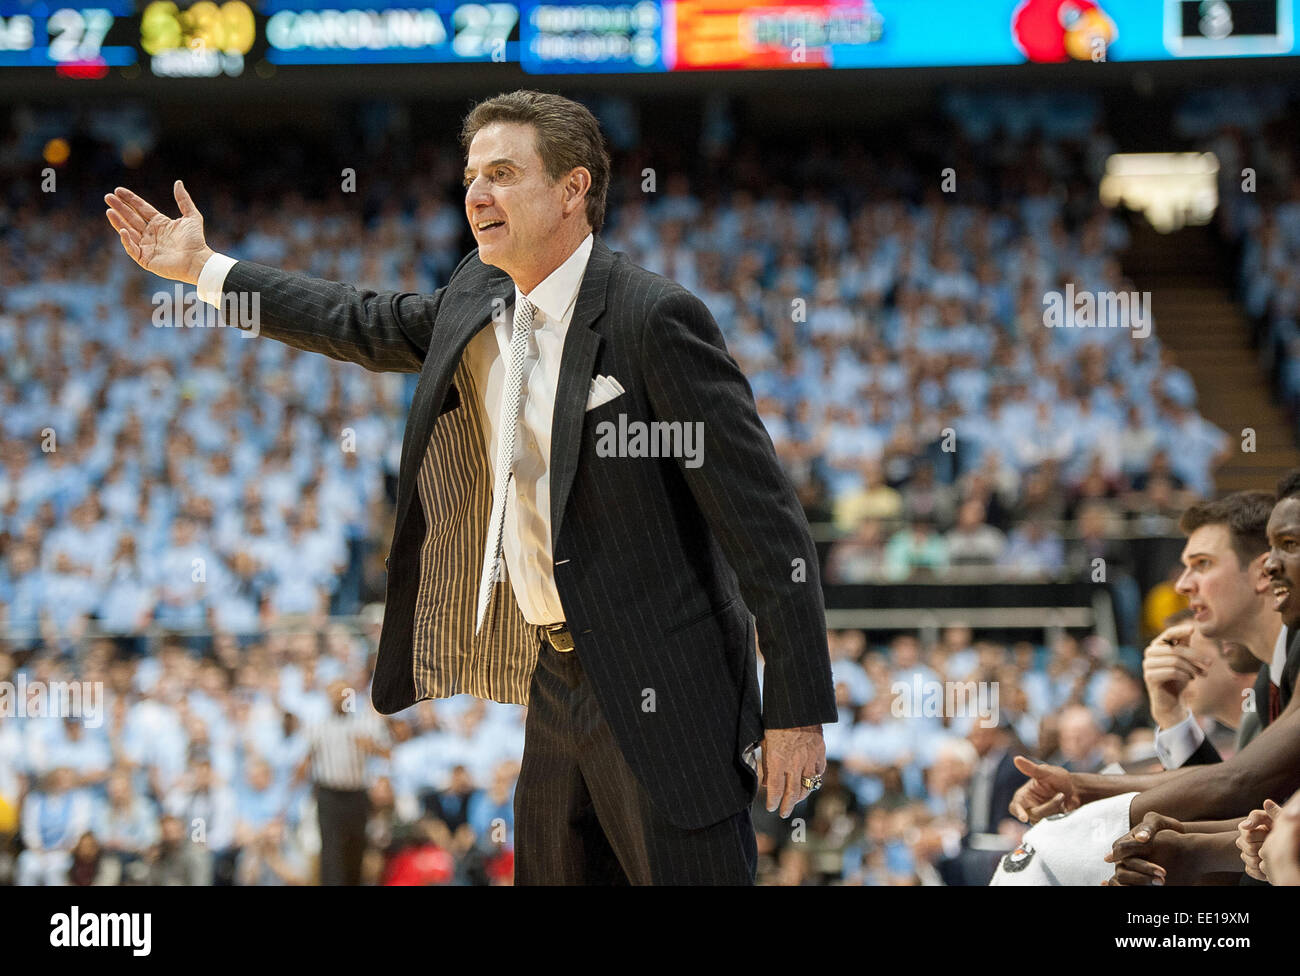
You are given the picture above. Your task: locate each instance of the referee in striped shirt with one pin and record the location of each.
(337, 750)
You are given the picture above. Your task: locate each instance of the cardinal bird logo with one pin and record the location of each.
(1057, 30)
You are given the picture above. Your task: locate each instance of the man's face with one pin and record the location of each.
(1218, 589)
(1078, 734)
(1283, 563)
(506, 183)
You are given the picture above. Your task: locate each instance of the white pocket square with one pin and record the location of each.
(603, 389)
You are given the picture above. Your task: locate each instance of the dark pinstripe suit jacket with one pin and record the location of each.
(658, 565)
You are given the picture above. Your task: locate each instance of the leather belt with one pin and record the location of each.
(558, 636)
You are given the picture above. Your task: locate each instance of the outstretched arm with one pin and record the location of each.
(387, 332)
(1094, 786)
(1054, 789)
(1268, 767)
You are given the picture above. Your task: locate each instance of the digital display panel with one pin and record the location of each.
(198, 38)
(100, 34)
(321, 32)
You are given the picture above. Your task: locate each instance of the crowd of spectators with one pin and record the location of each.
(157, 474)
(893, 333)
(189, 770)
(900, 360)
(1259, 189)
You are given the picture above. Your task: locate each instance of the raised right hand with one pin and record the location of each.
(1168, 666)
(1138, 856)
(169, 247)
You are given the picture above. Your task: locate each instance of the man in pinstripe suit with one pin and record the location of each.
(621, 597)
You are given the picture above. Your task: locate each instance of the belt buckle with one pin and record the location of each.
(559, 637)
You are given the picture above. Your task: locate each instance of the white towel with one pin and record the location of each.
(1067, 849)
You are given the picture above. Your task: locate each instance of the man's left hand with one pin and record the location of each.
(790, 755)
(1147, 854)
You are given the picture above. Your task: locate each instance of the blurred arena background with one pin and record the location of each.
(877, 201)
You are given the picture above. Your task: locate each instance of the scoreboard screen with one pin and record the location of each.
(316, 32)
(211, 38)
(735, 34)
(203, 38)
(60, 34)
(685, 35)
(595, 37)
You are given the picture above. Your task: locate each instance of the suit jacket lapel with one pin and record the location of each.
(581, 343)
(469, 306)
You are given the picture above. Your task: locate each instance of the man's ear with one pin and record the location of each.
(576, 188)
(1259, 581)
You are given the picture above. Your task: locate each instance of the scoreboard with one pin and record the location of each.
(203, 38)
(210, 38)
(307, 32)
(49, 34)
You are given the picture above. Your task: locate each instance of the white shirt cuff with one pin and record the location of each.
(1176, 744)
(213, 277)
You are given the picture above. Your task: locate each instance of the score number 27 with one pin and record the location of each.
(77, 35)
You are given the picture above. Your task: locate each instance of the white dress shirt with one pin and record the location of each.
(526, 541)
(1175, 745)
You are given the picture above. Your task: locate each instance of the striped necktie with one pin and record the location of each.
(510, 404)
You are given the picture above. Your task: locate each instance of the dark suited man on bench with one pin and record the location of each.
(537, 559)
